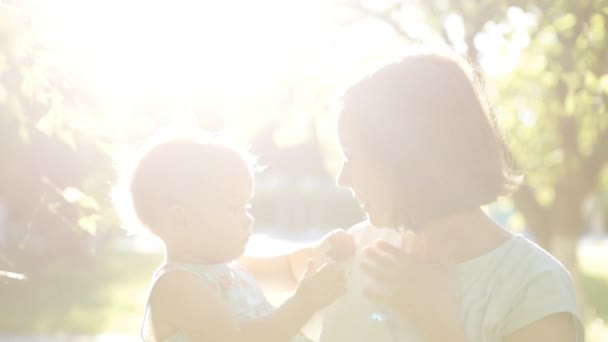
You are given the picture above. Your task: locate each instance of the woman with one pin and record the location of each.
(422, 152)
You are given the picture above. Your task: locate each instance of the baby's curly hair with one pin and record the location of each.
(180, 171)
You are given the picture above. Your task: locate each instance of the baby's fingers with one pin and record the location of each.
(331, 270)
(310, 268)
(332, 274)
(339, 245)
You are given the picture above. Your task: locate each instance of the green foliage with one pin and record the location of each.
(552, 102)
(107, 293)
(44, 157)
(545, 70)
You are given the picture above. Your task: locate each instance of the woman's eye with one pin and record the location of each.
(348, 158)
(241, 208)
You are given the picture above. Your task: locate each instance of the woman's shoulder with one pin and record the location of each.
(526, 282)
(519, 267)
(532, 260)
(517, 257)
(542, 287)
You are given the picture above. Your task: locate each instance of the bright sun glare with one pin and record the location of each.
(181, 49)
(175, 47)
(234, 50)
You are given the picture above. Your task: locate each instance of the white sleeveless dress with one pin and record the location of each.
(237, 287)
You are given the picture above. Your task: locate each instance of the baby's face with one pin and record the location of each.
(223, 224)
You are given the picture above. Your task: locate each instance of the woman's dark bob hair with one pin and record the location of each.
(425, 121)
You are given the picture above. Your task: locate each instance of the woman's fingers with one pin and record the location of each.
(380, 274)
(393, 253)
(388, 248)
(385, 263)
(377, 256)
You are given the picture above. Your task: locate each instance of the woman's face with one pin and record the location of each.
(363, 173)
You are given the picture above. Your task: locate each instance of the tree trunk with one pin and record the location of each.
(563, 248)
(558, 228)
(568, 225)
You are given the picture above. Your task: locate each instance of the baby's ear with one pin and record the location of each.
(176, 215)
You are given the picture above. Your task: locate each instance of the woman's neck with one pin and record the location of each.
(464, 236)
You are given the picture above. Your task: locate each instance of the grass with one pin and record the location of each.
(108, 295)
(593, 261)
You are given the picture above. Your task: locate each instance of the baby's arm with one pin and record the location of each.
(283, 271)
(184, 301)
(278, 272)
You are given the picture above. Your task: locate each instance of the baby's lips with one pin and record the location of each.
(342, 246)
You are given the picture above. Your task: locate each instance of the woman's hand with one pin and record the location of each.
(425, 293)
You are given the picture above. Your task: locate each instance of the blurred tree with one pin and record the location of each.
(546, 69)
(49, 171)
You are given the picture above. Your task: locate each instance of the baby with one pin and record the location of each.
(194, 195)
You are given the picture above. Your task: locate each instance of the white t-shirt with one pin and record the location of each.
(503, 290)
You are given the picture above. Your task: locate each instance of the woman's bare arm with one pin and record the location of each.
(558, 327)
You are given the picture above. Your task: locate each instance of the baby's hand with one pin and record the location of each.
(319, 288)
(339, 245)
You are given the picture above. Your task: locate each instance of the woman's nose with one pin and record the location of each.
(344, 177)
(250, 220)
